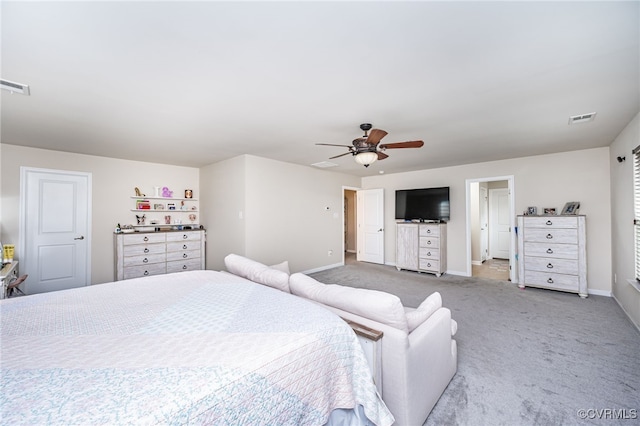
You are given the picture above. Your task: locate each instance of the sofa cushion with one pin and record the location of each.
(417, 316)
(282, 266)
(372, 304)
(257, 272)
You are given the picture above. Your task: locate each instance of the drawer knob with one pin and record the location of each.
(146, 250)
(184, 256)
(146, 273)
(184, 266)
(549, 236)
(429, 265)
(428, 231)
(429, 253)
(145, 260)
(145, 239)
(184, 246)
(550, 280)
(549, 265)
(549, 222)
(549, 251)
(429, 242)
(185, 236)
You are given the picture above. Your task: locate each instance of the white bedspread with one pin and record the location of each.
(197, 347)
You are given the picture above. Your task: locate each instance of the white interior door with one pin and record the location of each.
(500, 236)
(55, 229)
(484, 224)
(370, 218)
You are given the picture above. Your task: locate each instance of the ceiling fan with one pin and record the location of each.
(368, 149)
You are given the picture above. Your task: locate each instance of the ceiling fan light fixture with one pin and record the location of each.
(366, 158)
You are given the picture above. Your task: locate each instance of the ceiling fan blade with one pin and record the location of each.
(382, 155)
(331, 144)
(408, 144)
(346, 153)
(375, 136)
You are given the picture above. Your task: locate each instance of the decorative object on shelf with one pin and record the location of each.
(549, 211)
(138, 193)
(531, 211)
(167, 220)
(166, 193)
(143, 205)
(157, 189)
(572, 207)
(158, 206)
(192, 217)
(188, 193)
(171, 206)
(141, 219)
(194, 208)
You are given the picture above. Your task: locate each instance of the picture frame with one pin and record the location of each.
(532, 211)
(572, 207)
(551, 211)
(158, 206)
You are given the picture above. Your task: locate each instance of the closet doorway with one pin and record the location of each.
(490, 221)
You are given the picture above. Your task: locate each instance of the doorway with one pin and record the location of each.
(490, 221)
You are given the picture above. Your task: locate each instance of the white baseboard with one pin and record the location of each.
(322, 268)
(476, 262)
(600, 292)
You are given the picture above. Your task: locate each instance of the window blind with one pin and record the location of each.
(636, 207)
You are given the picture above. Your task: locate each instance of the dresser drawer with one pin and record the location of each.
(183, 255)
(429, 265)
(183, 245)
(551, 222)
(429, 253)
(559, 266)
(184, 236)
(144, 238)
(561, 236)
(143, 260)
(146, 270)
(430, 242)
(558, 251)
(429, 231)
(143, 249)
(186, 265)
(551, 280)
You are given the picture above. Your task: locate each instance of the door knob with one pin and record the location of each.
(81, 237)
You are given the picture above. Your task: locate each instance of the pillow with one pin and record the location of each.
(257, 272)
(372, 304)
(415, 317)
(283, 266)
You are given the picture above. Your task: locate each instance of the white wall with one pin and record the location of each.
(113, 186)
(622, 219)
(224, 206)
(272, 211)
(542, 181)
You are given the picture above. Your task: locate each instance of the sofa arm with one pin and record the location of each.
(430, 363)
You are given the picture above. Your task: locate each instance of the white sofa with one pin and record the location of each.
(418, 354)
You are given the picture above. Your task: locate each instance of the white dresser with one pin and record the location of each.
(422, 247)
(552, 253)
(139, 254)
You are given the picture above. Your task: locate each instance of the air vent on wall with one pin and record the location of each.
(14, 87)
(583, 118)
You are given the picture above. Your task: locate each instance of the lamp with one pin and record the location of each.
(366, 158)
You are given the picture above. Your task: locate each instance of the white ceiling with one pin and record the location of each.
(193, 83)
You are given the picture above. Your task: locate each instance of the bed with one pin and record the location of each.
(200, 347)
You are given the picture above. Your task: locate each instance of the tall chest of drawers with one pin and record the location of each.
(141, 254)
(422, 247)
(552, 253)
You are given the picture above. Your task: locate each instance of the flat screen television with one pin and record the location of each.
(424, 204)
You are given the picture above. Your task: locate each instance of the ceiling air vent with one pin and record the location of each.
(324, 164)
(13, 87)
(583, 118)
